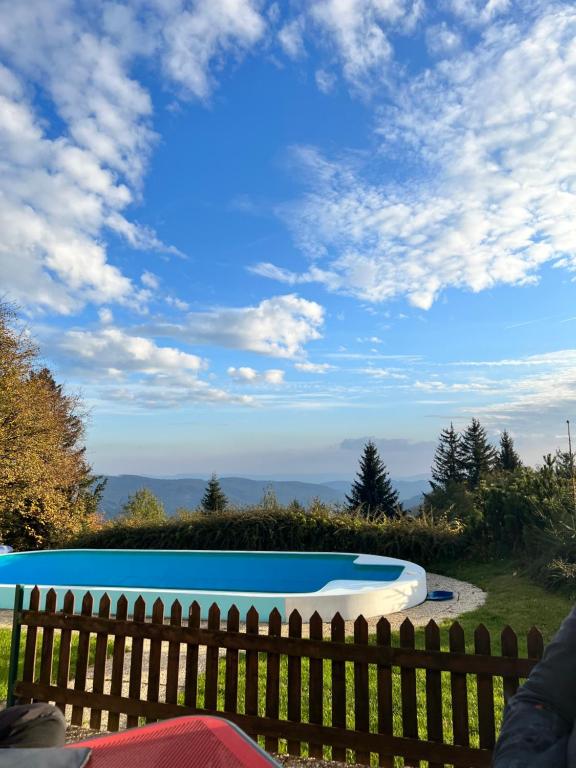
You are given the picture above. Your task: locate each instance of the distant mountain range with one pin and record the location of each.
(241, 491)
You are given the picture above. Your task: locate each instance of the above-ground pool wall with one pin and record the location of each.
(264, 603)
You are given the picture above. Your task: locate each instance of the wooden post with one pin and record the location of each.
(294, 681)
(155, 657)
(361, 688)
(63, 673)
(173, 666)
(212, 658)
(434, 724)
(485, 688)
(338, 635)
(135, 685)
(100, 661)
(191, 679)
(15, 643)
(251, 689)
(82, 660)
(118, 662)
(408, 685)
(316, 685)
(273, 678)
(231, 682)
(384, 690)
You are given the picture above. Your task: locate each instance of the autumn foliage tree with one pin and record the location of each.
(47, 490)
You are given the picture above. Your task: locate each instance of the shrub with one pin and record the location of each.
(417, 539)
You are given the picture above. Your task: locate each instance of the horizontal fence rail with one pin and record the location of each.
(316, 694)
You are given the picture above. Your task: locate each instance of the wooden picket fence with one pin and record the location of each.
(340, 699)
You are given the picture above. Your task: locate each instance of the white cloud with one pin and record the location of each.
(291, 39)
(119, 367)
(68, 173)
(478, 12)
(442, 39)
(279, 326)
(493, 198)
(244, 373)
(325, 80)
(196, 36)
(105, 315)
(177, 303)
(114, 348)
(308, 367)
(358, 31)
(150, 280)
(249, 375)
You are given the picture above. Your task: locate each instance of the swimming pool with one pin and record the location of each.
(352, 584)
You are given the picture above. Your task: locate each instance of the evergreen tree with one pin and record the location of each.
(508, 459)
(478, 456)
(142, 508)
(372, 493)
(214, 499)
(448, 464)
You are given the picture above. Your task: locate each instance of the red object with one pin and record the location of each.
(185, 742)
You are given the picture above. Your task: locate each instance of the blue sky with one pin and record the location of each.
(252, 234)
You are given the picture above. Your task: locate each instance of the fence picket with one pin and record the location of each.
(294, 681)
(82, 660)
(212, 659)
(63, 673)
(408, 685)
(509, 645)
(338, 635)
(459, 690)
(361, 688)
(434, 725)
(485, 688)
(316, 685)
(118, 662)
(135, 685)
(273, 678)
(155, 657)
(384, 690)
(173, 666)
(231, 684)
(47, 650)
(191, 675)
(100, 662)
(535, 644)
(251, 682)
(29, 664)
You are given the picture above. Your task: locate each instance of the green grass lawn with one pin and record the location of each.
(5, 639)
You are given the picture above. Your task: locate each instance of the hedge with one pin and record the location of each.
(413, 539)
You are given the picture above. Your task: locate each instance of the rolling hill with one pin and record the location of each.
(241, 491)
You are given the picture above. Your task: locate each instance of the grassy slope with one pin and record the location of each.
(512, 599)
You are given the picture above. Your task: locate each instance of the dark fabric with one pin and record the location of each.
(32, 725)
(45, 758)
(538, 726)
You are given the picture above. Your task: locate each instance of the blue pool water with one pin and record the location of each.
(268, 572)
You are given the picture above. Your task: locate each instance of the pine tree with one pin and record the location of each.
(508, 459)
(214, 499)
(448, 464)
(479, 457)
(142, 508)
(372, 493)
